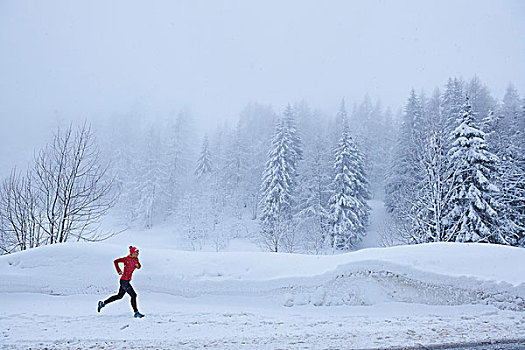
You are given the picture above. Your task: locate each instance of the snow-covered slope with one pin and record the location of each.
(485, 283)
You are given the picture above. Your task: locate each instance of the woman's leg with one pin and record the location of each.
(133, 296)
(129, 289)
(115, 297)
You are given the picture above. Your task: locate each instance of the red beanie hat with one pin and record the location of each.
(132, 249)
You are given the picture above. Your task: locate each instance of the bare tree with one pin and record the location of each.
(20, 214)
(73, 184)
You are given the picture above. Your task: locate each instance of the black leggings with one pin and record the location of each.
(125, 287)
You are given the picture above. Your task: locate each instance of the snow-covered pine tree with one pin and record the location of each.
(433, 191)
(406, 174)
(218, 143)
(204, 164)
(314, 180)
(222, 198)
(314, 190)
(511, 112)
(452, 101)
(122, 143)
(520, 203)
(151, 181)
(291, 239)
(368, 125)
(473, 216)
(208, 195)
(504, 137)
(180, 157)
(480, 99)
(233, 175)
(363, 116)
(348, 209)
(256, 127)
(296, 143)
(278, 187)
(521, 128)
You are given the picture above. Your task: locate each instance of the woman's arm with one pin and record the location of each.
(116, 262)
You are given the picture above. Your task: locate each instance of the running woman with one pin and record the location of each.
(131, 262)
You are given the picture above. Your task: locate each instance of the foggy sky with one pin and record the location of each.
(63, 60)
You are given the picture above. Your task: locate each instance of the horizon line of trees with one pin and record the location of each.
(450, 167)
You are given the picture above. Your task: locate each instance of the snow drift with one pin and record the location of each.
(435, 274)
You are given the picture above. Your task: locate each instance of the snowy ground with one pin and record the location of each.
(372, 298)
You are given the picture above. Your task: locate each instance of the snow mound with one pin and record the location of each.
(366, 288)
(433, 274)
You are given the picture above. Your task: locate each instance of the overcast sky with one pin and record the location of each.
(70, 59)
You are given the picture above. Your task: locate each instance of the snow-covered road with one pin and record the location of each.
(371, 299)
(71, 322)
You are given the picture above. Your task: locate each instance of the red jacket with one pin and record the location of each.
(130, 264)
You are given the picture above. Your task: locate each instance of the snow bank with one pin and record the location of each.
(440, 273)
